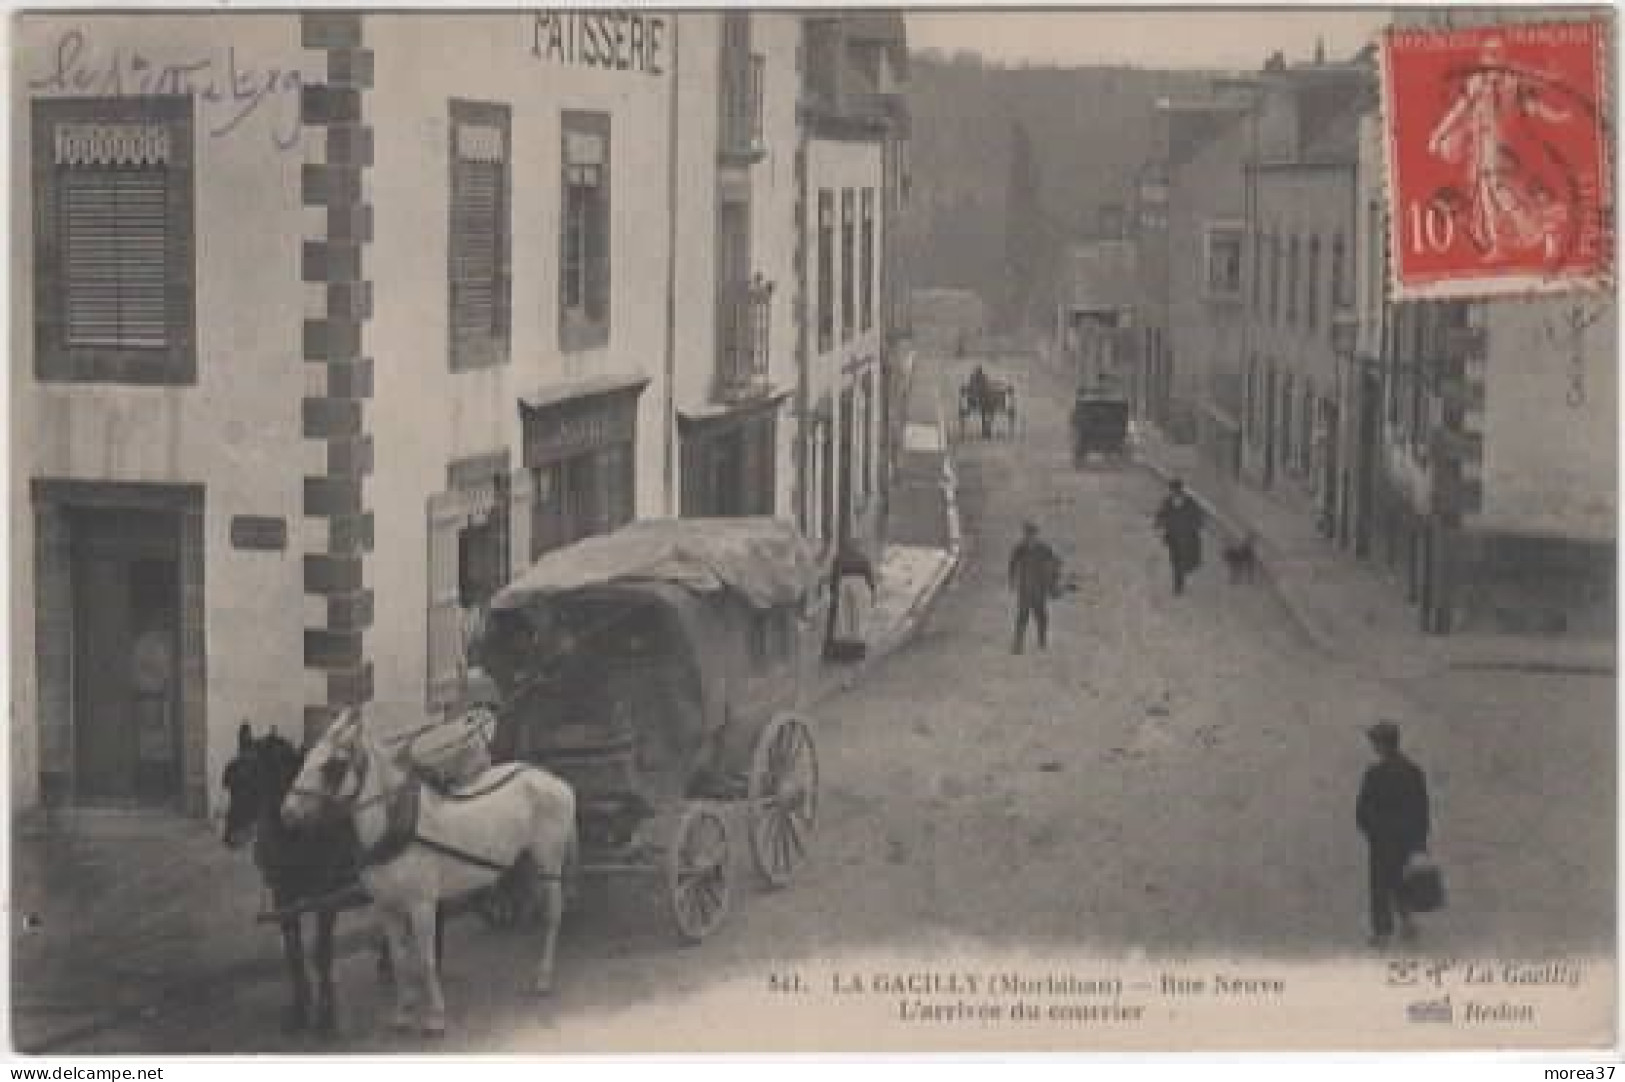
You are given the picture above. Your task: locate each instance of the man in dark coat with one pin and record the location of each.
(1034, 570)
(1180, 520)
(1392, 813)
(981, 399)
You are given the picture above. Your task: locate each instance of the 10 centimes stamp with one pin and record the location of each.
(1498, 159)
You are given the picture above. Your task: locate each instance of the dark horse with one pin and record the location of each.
(309, 870)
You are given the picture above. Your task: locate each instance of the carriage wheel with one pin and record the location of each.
(697, 872)
(783, 793)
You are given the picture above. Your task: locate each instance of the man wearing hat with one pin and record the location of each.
(1180, 521)
(1392, 813)
(1034, 571)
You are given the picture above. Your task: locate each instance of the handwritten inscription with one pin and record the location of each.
(231, 93)
(617, 40)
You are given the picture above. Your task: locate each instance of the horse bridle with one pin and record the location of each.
(357, 766)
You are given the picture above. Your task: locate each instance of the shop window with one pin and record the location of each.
(584, 257)
(866, 257)
(1222, 257)
(113, 288)
(479, 239)
(582, 496)
(848, 281)
(826, 270)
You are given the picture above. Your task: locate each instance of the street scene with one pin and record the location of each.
(686, 496)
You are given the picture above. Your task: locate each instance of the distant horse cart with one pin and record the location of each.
(993, 408)
(1100, 421)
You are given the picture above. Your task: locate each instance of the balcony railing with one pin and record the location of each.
(743, 361)
(742, 128)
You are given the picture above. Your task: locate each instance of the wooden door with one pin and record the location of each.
(126, 634)
(104, 741)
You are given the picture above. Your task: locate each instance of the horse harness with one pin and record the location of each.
(402, 809)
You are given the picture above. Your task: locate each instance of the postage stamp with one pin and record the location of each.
(1498, 159)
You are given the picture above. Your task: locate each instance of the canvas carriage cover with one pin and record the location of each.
(765, 561)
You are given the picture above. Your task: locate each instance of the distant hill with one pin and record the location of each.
(1091, 128)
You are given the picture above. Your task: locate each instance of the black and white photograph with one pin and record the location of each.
(800, 530)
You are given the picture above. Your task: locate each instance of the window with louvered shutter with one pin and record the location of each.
(479, 240)
(114, 223)
(848, 282)
(584, 235)
(866, 257)
(113, 240)
(826, 269)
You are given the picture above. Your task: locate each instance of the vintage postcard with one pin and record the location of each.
(576, 531)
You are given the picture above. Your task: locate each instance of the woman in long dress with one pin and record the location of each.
(855, 590)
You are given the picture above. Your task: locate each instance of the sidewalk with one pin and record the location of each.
(924, 547)
(1349, 608)
(118, 916)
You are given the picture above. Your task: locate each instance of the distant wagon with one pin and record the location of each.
(660, 670)
(1099, 425)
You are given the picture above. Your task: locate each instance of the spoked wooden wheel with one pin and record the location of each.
(697, 872)
(783, 793)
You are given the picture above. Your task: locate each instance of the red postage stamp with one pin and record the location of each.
(1498, 159)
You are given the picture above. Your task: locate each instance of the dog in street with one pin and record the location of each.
(1242, 558)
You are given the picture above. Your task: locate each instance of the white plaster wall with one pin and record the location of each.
(1551, 425)
(699, 83)
(423, 416)
(230, 431)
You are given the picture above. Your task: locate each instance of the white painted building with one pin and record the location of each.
(328, 323)
(324, 325)
(736, 267)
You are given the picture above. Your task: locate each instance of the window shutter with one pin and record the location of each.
(115, 256)
(597, 242)
(520, 502)
(446, 514)
(475, 253)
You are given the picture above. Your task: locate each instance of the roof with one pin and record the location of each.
(765, 561)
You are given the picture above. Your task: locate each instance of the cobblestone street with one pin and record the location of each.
(1173, 776)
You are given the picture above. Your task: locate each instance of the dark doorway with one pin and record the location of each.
(1366, 462)
(126, 656)
(1270, 406)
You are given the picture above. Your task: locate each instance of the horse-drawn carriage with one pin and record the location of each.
(659, 670)
(656, 675)
(989, 403)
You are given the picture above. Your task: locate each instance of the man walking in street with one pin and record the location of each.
(1392, 812)
(1180, 520)
(981, 399)
(1034, 570)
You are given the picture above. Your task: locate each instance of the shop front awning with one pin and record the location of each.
(591, 387)
(712, 416)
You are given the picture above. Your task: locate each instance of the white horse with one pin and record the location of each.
(419, 848)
